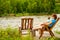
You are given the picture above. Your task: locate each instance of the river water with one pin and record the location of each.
(15, 22)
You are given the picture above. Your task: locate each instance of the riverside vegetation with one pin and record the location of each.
(28, 7)
(13, 34)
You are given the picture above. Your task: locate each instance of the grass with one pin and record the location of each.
(23, 14)
(13, 34)
(9, 34)
(58, 32)
(31, 14)
(50, 38)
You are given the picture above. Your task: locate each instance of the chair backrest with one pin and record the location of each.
(55, 23)
(26, 23)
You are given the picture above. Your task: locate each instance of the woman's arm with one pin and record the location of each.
(47, 23)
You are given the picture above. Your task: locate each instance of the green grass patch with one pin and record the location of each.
(9, 34)
(13, 34)
(58, 32)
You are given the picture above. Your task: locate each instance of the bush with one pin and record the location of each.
(28, 6)
(57, 9)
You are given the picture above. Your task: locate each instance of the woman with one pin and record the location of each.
(49, 25)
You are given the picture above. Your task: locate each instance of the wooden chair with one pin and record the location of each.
(26, 23)
(47, 29)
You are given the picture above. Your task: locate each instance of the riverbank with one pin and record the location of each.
(23, 14)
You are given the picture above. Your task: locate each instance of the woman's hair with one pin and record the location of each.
(55, 16)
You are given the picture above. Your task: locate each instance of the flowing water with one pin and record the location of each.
(16, 21)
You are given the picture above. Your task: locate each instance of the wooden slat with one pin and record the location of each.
(26, 23)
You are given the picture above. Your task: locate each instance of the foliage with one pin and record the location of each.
(9, 34)
(26, 6)
(57, 9)
(13, 34)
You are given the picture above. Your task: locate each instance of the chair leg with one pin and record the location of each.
(51, 33)
(41, 33)
(33, 33)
